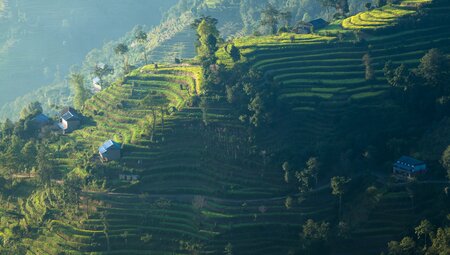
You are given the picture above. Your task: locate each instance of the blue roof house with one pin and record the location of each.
(318, 23)
(408, 166)
(110, 151)
(41, 120)
(69, 120)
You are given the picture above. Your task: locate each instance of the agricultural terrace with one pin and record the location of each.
(384, 17)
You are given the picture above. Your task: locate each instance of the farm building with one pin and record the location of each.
(41, 120)
(408, 166)
(69, 120)
(318, 23)
(308, 27)
(302, 28)
(109, 151)
(97, 84)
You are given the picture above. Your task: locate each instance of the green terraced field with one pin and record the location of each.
(387, 16)
(199, 189)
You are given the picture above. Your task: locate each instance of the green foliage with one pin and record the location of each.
(207, 35)
(341, 6)
(32, 109)
(141, 37)
(370, 72)
(235, 53)
(315, 236)
(269, 18)
(434, 68)
(81, 94)
(445, 160)
(122, 50)
(405, 247)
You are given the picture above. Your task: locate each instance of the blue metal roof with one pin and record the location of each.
(108, 145)
(69, 114)
(41, 118)
(318, 23)
(408, 164)
(410, 161)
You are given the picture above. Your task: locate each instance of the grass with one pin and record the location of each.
(386, 16)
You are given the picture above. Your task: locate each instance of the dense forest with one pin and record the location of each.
(280, 133)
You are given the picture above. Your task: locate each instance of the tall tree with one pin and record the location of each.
(32, 109)
(207, 34)
(424, 230)
(338, 184)
(341, 6)
(81, 94)
(435, 69)
(141, 38)
(45, 169)
(269, 18)
(445, 160)
(235, 53)
(367, 61)
(122, 50)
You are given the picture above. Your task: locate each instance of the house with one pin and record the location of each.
(41, 120)
(408, 166)
(309, 27)
(302, 28)
(318, 23)
(128, 177)
(109, 151)
(97, 84)
(69, 120)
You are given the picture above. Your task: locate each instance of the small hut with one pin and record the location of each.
(110, 151)
(409, 167)
(69, 120)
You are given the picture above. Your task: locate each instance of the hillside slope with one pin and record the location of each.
(205, 184)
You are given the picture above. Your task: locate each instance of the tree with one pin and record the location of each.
(445, 160)
(304, 181)
(434, 68)
(228, 249)
(32, 109)
(341, 6)
(45, 169)
(207, 38)
(313, 167)
(81, 94)
(125, 236)
(235, 53)
(405, 247)
(101, 70)
(367, 61)
(286, 16)
(269, 18)
(315, 236)
(122, 50)
(288, 202)
(149, 103)
(424, 230)
(441, 242)
(380, 3)
(338, 184)
(141, 38)
(29, 155)
(146, 238)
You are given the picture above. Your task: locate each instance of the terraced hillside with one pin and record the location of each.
(203, 185)
(324, 85)
(188, 199)
(385, 17)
